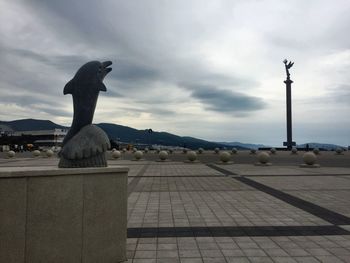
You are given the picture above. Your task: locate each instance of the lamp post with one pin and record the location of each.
(289, 143)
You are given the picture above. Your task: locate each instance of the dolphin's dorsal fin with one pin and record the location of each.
(69, 88)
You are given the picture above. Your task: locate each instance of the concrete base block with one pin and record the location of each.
(63, 215)
(309, 166)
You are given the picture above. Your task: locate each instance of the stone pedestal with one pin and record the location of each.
(63, 215)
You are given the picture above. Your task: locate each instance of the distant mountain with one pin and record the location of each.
(127, 134)
(122, 133)
(325, 146)
(31, 125)
(244, 145)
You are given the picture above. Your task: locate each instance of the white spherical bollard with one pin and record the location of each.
(273, 150)
(11, 154)
(49, 153)
(200, 150)
(216, 150)
(234, 150)
(138, 155)
(294, 150)
(36, 153)
(114, 149)
(263, 157)
(163, 155)
(146, 150)
(124, 150)
(309, 158)
(116, 154)
(339, 150)
(225, 157)
(316, 151)
(134, 150)
(191, 156)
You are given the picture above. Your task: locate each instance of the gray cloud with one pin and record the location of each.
(127, 70)
(157, 111)
(339, 94)
(225, 100)
(141, 56)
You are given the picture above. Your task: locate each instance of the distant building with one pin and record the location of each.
(4, 129)
(29, 139)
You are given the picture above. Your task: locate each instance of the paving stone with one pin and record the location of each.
(191, 260)
(237, 260)
(194, 253)
(210, 253)
(143, 260)
(145, 254)
(283, 260)
(306, 260)
(260, 260)
(167, 254)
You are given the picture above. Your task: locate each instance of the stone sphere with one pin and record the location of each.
(200, 150)
(252, 151)
(263, 157)
(116, 154)
(134, 150)
(294, 150)
(146, 150)
(316, 150)
(309, 158)
(191, 156)
(36, 153)
(163, 155)
(49, 153)
(124, 150)
(339, 150)
(273, 150)
(138, 155)
(216, 150)
(234, 150)
(225, 157)
(114, 149)
(11, 154)
(54, 149)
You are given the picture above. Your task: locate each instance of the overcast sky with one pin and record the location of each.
(208, 69)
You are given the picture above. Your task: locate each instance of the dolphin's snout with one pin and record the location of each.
(106, 65)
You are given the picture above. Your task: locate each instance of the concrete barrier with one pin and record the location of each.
(63, 215)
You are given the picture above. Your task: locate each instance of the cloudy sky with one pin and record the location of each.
(208, 69)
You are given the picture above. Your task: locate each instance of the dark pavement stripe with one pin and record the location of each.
(227, 231)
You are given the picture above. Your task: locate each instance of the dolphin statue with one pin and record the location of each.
(85, 144)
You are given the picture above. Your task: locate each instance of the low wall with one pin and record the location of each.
(52, 215)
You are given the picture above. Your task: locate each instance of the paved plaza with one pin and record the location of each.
(213, 212)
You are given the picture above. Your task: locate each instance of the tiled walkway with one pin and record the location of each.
(197, 213)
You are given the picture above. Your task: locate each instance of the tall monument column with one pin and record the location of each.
(289, 143)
